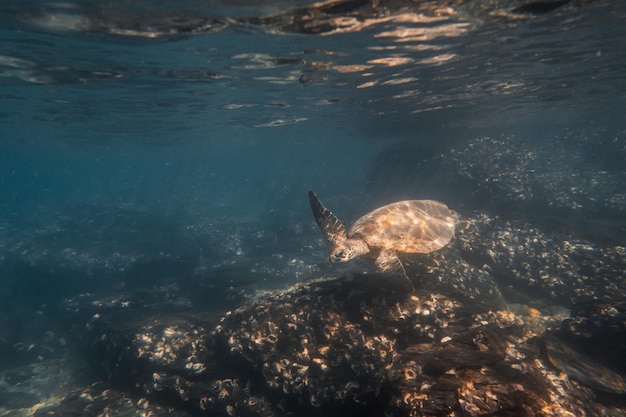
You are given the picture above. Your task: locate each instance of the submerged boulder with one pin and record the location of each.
(347, 346)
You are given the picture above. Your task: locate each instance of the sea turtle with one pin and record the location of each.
(411, 226)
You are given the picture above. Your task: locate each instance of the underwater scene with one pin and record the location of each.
(295, 208)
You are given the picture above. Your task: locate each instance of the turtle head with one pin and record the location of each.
(348, 249)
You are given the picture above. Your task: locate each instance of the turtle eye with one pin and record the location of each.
(339, 253)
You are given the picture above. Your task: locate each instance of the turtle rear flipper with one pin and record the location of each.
(328, 223)
(388, 263)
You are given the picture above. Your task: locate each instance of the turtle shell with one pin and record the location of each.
(412, 226)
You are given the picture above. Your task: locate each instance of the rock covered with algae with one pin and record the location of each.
(333, 347)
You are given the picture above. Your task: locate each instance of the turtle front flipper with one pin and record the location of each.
(328, 223)
(387, 262)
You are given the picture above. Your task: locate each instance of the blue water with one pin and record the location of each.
(210, 120)
(127, 137)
